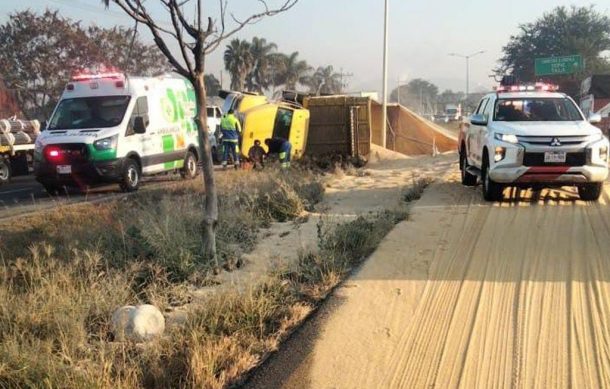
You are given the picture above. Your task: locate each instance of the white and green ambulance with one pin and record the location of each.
(113, 128)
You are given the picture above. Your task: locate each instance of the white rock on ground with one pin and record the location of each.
(139, 323)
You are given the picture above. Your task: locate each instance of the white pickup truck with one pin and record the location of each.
(532, 136)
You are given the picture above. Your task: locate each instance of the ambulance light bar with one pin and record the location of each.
(98, 76)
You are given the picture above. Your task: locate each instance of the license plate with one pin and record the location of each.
(554, 157)
(64, 169)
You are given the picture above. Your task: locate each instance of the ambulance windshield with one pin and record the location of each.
(89, 112)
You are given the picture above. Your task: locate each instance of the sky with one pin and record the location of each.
(348, 34)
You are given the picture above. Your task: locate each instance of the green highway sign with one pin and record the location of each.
(559, 65)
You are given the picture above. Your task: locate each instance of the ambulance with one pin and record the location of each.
(112, 128)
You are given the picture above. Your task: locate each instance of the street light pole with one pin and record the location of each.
(467, 57)
(384, 115)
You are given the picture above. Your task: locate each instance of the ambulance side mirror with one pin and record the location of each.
(139, 125)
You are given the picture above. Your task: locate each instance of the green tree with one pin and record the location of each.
(212, 85)
(239, 62)
(563, 31)
(40, 52)
(261, 76)
(419, 95)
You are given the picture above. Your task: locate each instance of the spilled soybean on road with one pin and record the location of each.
(468, 294)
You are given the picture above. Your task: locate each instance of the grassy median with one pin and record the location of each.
(63, 273)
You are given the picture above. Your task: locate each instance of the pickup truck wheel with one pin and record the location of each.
(189, 170)
(467, 178)
(492, 191)
(590, 192)
(131, 176)
(5, 171)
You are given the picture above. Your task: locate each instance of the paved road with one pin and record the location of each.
(468, 294)
(24, 195)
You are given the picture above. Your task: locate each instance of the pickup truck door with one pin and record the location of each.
(474, 139)
(488, 113)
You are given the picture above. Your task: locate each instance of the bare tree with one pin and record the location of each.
(195, 40)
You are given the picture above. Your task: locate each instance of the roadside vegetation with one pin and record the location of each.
(69, 269)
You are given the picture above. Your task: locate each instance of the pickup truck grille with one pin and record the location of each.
(572, 159)
(548, 140)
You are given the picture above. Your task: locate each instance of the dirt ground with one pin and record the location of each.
(467, 294)
(377, 187)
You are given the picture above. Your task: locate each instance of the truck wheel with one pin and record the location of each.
(467, 178)
(591, 192)
(492, 191)
(5, 171)
(189, 171)
(131, 176)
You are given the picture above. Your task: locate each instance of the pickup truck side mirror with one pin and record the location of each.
(139, 125)
(595, 118)
(478, 120)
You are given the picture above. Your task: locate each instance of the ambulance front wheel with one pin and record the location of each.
(131, 176)
(189, 171)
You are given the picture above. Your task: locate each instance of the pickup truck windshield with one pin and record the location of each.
(536, 110)
(89, 112)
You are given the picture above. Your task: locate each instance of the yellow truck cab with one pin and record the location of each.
(262, 120)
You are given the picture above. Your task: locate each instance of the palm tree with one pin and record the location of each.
(261, 76)
(324, 81)
(329, 81)
(292, 70)
(239, 63)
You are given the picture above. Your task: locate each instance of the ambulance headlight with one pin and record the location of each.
(106, 143)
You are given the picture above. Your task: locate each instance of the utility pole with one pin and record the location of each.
(398, 93)
(341, 75)
(384, 115)
(467, 58)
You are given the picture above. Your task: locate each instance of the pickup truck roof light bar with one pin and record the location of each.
(537, 87)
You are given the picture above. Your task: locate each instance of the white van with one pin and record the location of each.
(113, 128)
(214, 117)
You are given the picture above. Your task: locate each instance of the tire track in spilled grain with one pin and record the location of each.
(468, 294)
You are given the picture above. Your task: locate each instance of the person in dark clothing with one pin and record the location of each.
(281, 147)
(257, 154)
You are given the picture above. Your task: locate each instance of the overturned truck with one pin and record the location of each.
(339, 125)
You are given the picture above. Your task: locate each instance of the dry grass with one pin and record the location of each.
(56, 298)
(415, 191)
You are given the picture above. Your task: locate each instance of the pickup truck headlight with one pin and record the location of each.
(507, 138)
(106, 143)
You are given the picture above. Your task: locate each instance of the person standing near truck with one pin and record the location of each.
(282, 147)
(230, 128)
